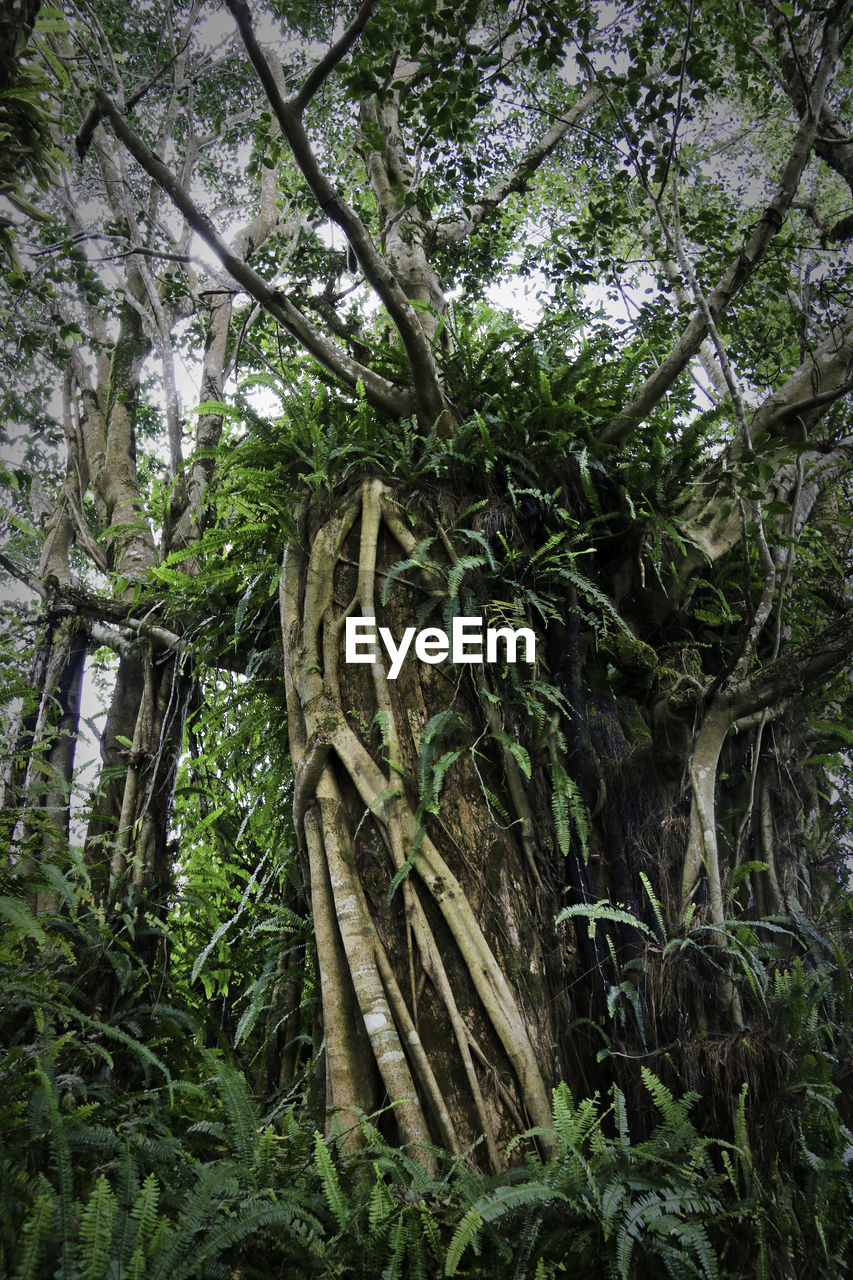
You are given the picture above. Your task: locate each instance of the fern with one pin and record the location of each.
(34, 1233)
(398, 1241)
(666, 1215)
(330, 1182)
(655, 904)
(568, 808)
(516, 750)
(459, 569)
(595, 911)
(283, 1215)
(62, 1165)
(243, 1122)
(380, 1205)
(491, 1207)
(144, 1208)
(96, 1230)
(464, 1235)
(433, 761)
(23, 919)
(171, 1249)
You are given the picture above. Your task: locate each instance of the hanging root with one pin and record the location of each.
(355, 968)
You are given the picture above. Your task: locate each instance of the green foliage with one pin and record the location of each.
(106, 1172)
(156, 1087)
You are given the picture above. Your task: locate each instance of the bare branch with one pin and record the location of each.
(801, 408)
(710, 521)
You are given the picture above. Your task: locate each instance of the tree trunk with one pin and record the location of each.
(450, 975)
(447, 989)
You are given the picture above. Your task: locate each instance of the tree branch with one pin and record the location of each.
(822, 657)
(28, 579)
(449, 232)
(431, 402)
(381, 393)
(824, 377)
(832, 141)
(330, 60)
(739, 272)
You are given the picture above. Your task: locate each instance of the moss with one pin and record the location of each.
(633, 724)
(635, 661)
(629, 654)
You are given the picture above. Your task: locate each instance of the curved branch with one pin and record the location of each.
(21, 575)
(432, 404)
(382, 394)
(825, 376)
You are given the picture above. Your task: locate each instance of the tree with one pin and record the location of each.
(517, 873)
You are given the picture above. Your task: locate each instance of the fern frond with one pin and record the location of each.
(380, 1205)
(289, 1215)
(595, 911)
(568, 809)
(96, 1231)
(243, 1120)
(460, 568)
(172, 1247)
(330, 1182)
(62, 1162)
(34, 1233)
(466, 1233)
(144, 1208)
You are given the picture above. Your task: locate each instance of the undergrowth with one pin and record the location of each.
(132, 1148)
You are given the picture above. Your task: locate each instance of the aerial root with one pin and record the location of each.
(322, 743)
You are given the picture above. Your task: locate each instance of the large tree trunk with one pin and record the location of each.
(448, 979)
(455, 997)
(447, 816)
(455, 992)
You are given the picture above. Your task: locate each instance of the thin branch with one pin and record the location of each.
(678, 104)
(516, 180)
(686, 265)
(22, 575)
(740, 271)
(93, 117)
